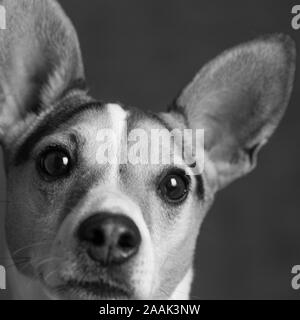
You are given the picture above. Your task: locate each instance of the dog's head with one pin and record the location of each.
(86, 229)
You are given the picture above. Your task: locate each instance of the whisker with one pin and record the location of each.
(49, 259)
(50, 273)
(11, 259)
(21, 264)
(30, 246)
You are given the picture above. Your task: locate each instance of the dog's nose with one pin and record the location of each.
(112, 239)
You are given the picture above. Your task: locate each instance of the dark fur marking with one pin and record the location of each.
(199, 186)
(78, 190)
(174, 107)
(47, 126)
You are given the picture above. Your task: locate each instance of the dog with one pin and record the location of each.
(79, 229)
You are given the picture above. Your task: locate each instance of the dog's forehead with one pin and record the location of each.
(112, 119)
(126, 130)
(132, 128)
(91, 122)
(86, 120)
(118, 118)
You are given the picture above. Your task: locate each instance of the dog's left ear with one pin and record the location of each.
(239, 99)
(39, 59)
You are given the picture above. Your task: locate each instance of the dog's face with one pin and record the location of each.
(86, 229)
(101, 230)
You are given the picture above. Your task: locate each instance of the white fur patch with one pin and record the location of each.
(183, 289)
(117, 119)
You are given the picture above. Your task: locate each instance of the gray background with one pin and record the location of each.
(141, 53)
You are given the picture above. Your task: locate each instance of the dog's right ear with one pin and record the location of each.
(39, 60)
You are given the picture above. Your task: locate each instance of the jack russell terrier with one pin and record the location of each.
(77, 228)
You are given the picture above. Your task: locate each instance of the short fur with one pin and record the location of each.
(238, 98)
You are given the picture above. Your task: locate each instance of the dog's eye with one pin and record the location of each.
(174, 187)
(55, 163)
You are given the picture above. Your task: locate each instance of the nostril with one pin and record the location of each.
(92, 233)
(127, 241)
(97, 237)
